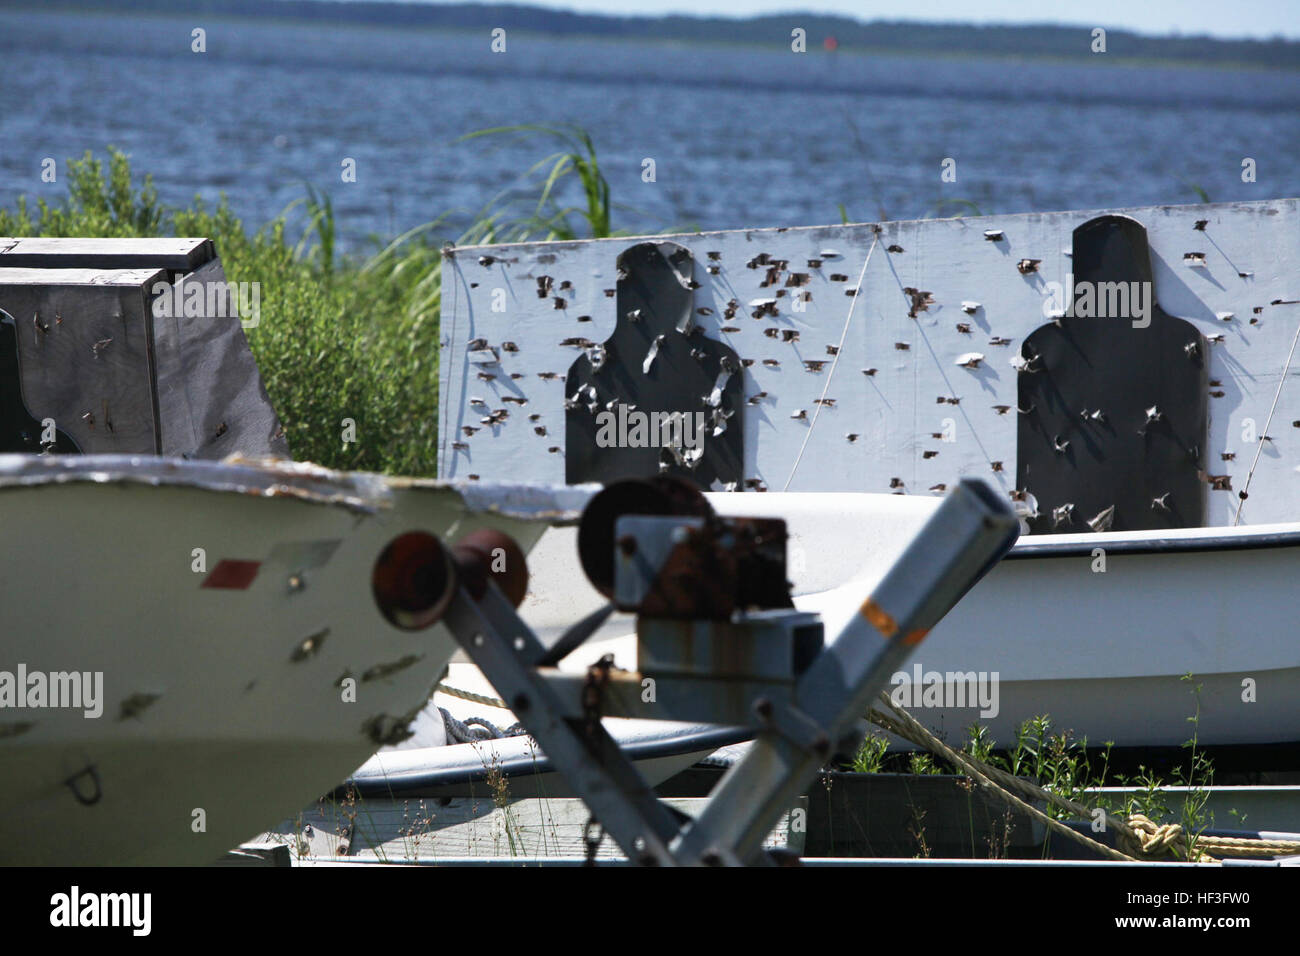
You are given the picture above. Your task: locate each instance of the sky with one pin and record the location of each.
(1240, 18)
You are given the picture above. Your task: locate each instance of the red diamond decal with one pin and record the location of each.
(232, 575)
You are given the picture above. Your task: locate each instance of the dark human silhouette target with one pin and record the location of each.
(657, 396)
(1113, 398)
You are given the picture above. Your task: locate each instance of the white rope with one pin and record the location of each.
(835, 362)
(476, 729)
(1241, 499)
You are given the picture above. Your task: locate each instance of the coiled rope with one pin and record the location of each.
(475, 729)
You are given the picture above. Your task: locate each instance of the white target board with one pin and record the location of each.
(889, 357)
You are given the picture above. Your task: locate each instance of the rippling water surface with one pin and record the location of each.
(740, 137)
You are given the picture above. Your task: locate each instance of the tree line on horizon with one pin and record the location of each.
(769, 30)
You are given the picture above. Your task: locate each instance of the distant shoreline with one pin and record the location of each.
(1030, 43)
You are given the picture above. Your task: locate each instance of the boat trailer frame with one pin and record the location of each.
(798, 726)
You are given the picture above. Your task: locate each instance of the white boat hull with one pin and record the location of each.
(1102, 652)
(223, 708)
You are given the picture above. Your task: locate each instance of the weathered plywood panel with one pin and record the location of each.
(869, 384)
(84, 340)
(122, 278)
(173, 254)
(211, 398)
(128, 361)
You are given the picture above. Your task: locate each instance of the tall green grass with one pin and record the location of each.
(340, 337)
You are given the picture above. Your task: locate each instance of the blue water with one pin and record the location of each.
(740, 137)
